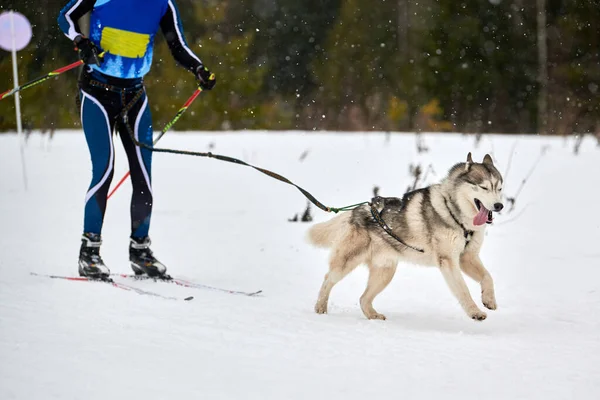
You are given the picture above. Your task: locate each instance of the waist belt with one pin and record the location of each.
(116, 89)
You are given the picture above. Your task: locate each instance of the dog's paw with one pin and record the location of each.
(321, 308)
(489, 301)
(376, 315)
(477, 315)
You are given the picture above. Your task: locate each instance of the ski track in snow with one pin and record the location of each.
(227, 226)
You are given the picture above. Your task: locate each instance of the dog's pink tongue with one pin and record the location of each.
(481, 216)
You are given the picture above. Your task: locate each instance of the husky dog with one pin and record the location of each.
(441, 225)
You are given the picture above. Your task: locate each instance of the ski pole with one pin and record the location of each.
(165, 129)
(42, 78)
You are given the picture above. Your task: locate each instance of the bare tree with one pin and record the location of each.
(542, 67)
(404, 49)
(403, 26)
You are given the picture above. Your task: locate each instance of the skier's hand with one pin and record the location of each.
(205, 78)
(88, 52)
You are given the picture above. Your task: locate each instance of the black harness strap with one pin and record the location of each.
(467, 233)
(223, 158)
(377, 216)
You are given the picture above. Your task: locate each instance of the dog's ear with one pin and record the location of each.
(488, 160)
(469, 161)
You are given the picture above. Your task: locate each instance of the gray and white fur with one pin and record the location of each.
(441, 225)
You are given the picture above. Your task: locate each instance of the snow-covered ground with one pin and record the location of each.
(226, 225)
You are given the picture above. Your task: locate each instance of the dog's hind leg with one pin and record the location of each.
(451, 272)
(379, 278)
(348, 254)
(473, 267)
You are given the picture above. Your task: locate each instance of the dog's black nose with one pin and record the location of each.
(498, 207)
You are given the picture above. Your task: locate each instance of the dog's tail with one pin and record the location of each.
(325, 234)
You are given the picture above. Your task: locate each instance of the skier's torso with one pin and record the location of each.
(125, 31)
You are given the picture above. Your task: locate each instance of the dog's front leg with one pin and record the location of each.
(471, 265)
(451, 272)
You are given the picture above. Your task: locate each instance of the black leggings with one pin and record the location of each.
(102, 102)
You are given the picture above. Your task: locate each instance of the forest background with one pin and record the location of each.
(501, 66)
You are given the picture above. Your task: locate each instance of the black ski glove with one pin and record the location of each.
(205, 78)
(88, 52)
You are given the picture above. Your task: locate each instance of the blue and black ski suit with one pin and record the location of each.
(125, 31)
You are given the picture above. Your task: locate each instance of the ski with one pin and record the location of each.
(185, 283)
(113, 284)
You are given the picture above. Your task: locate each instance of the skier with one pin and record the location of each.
(124, 31)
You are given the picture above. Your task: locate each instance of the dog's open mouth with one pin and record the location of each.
(484, 216)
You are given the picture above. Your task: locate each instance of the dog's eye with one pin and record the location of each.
(484, 188)
(500, 189)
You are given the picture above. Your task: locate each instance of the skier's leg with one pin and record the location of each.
(98, 134)
(97, 126)
(140, 164)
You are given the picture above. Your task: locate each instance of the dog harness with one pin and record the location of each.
(379, 219)
(467, 233)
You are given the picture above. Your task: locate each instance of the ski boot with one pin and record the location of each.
(143, 261)
(90, 262)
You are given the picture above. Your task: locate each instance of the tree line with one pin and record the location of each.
(506, 66)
